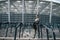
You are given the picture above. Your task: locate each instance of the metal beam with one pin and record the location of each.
(2, 0)
(37, 6)
(34, 7)
(50, 16)
(44, 9)
(23, 11)
(8, 10)
(15, 7)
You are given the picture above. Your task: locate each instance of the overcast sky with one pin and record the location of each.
(58, 1)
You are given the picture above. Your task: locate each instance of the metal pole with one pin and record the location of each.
(47, 34)
(23, 12)
(54, 36)
(41, 31)
(8, 10)
(50, 18)
(8, 17)
(38, 31)
(15, 33)
(20, 29)
(6, 31)
(8, 13)
(37, 6)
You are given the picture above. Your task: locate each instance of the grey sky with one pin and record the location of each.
(57, 1)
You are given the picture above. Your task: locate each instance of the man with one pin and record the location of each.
(35, 24)
(37, 19)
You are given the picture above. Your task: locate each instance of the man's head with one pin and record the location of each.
(37, 16)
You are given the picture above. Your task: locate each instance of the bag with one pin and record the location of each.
(34, 25)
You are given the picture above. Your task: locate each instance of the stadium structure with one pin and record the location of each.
(29, 19)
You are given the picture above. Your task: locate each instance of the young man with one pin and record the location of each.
(37, 19)
(35, 25)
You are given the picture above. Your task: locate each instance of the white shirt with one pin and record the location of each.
(37, 19)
